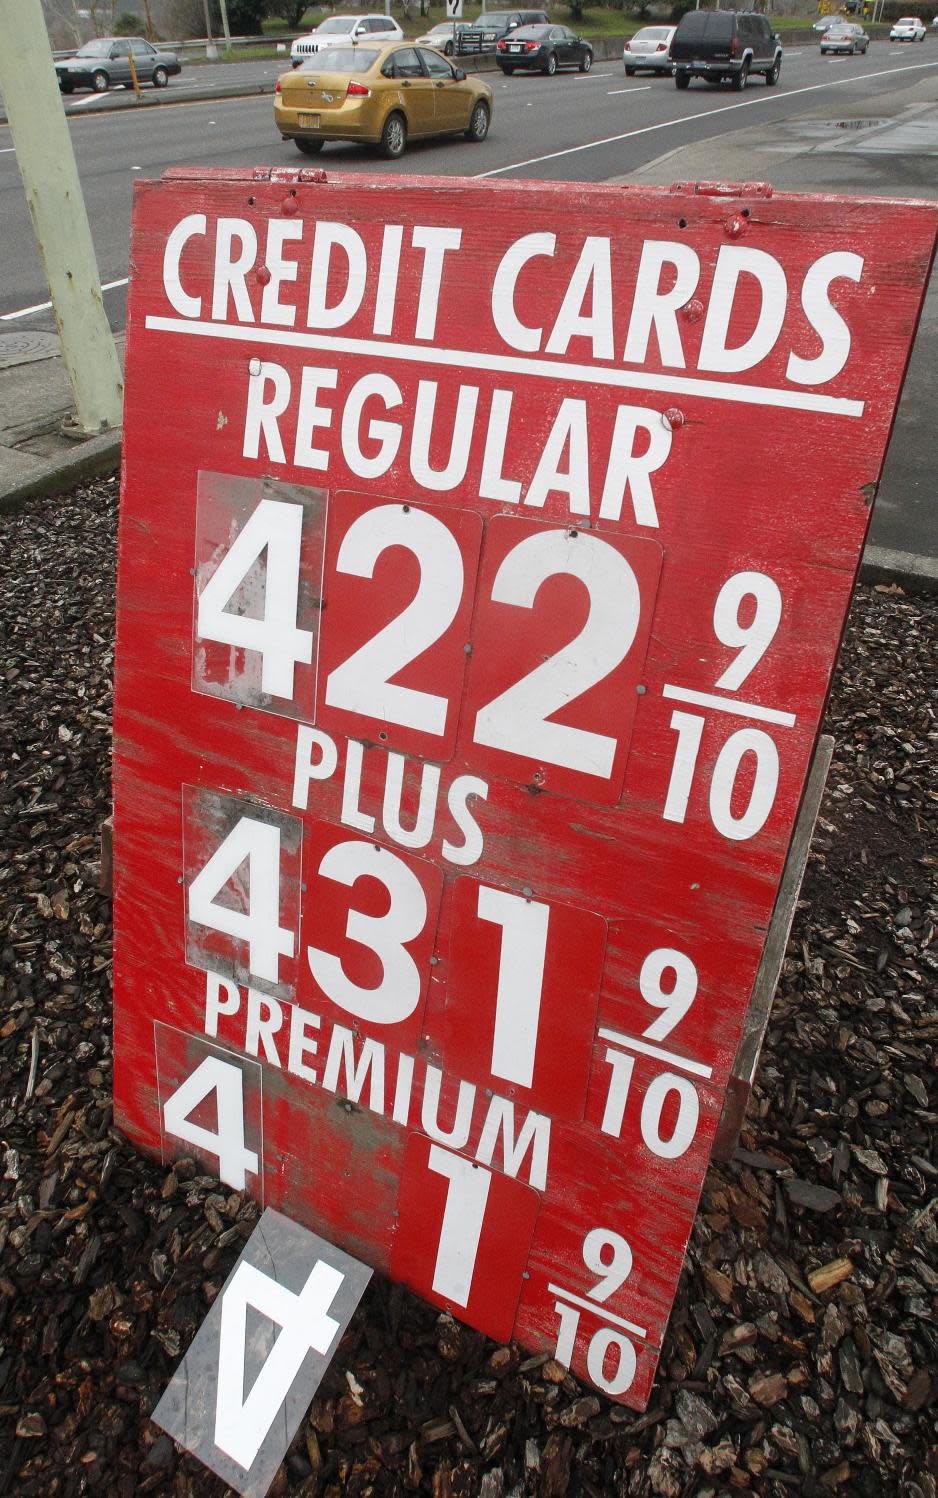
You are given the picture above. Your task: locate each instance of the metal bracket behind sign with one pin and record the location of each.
(743, 1074)
(238, 1396)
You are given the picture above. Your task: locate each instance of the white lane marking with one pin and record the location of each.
(5, 150)
(80, 103)
(550, 369)
(44, 306)
(705, 114)
(637, 89)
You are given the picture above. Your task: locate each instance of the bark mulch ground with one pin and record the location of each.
(802, 1356)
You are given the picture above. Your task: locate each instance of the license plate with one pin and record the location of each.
(309, 121)
(488, 36)
(514, 47)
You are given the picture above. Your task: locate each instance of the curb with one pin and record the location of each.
(880, 565)
(93, 458)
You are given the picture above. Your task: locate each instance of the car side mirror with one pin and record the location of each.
(459, 75)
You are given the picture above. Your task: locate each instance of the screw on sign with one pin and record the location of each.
(474, 633)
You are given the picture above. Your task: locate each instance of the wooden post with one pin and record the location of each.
(46, 162)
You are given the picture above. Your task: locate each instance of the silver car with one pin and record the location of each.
(844, 36)
(441, 36)
(649, 49)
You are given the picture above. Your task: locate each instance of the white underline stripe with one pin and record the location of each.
(629, 1043)
(730, 705)
(588, 374)
(597, 1309)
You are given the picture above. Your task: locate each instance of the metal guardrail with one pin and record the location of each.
(198, 44)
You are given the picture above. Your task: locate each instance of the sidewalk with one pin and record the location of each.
(36, 457)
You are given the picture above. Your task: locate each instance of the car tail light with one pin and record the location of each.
(531, 46)
(626, 48)
(277, 89)
(733, 47)
(661, 47)
(501, 46)
(357, 90)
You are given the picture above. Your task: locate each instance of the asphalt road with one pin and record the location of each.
(574, 128)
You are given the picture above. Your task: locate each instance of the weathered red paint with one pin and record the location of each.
(570, 965)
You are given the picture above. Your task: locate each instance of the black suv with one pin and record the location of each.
(489, 29)
(718, 44)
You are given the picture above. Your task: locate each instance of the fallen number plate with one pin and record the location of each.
(474, 632)
(237, 1398)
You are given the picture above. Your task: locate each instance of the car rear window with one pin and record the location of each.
(341, 60)
(652, 34)
(709, 25)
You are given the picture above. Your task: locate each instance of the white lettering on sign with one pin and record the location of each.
(226, 1141)
(364, 1070)
(591, 310)
(617, 1377)
(362, 683)
(466, 1196)
(518, 720)
(387, 935)
(273, 529)
(242, 1423)
(369, 443)
(256, 845)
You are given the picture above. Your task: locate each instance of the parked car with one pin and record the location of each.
(336, 29)
(106, 60)
(441, 36)
(484, 34)
(543, 49)
(718, 44)
(382, 94)
(908, 29)
(649, 48)
(846, 36)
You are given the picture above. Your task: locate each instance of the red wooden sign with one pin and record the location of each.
(485, 550)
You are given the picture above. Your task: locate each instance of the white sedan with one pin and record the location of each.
(908, 29)
(649, 49)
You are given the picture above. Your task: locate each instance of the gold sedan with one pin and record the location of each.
(380, 94)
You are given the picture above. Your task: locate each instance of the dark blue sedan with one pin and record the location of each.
(544, 49)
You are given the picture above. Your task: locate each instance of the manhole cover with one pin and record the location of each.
(854, 124)
(24, 348)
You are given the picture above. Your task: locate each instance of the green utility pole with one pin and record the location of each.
(46, 162)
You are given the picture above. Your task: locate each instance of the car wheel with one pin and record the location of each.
(507, 69)
(550, 66)
(587, 62)
(448, 50)
(100, 82)
(478, 127)
(681, 79)
(393, 140)
(630, 72)
(771, 76)
(306, 146)
(741, 78)
(160, 77)
(65, 85)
